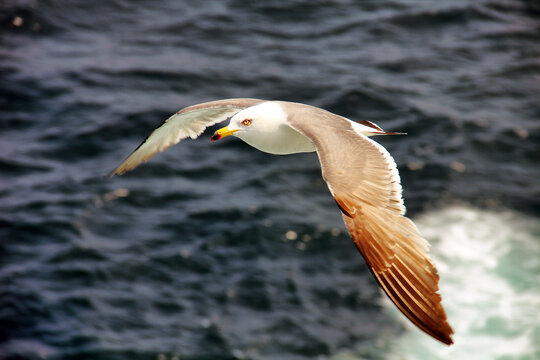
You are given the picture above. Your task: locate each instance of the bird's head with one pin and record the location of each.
(265, 127)
(254, 123)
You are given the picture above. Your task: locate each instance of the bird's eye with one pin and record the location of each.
(246, 122)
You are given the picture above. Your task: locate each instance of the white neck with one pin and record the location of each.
(270, 131)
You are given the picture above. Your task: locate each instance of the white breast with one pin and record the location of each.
(270, 131)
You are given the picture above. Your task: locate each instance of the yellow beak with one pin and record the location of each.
(221, 133)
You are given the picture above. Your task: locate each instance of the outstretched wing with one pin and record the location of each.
(188, 122)
(364, 181)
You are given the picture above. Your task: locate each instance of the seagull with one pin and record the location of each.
(361, 176)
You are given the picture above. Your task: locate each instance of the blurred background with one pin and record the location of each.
(218, 251)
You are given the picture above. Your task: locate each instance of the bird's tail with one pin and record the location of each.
(368, 128)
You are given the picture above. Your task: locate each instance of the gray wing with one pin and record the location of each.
(188, 122)
(364, 181)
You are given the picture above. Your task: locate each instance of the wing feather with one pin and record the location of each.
(187, 122)
(363, 178)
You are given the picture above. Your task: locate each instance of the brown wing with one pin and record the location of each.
(188, 122)
(364, 181)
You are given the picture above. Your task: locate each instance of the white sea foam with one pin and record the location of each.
(489, 263)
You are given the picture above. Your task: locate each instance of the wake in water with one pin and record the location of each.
(489, 266)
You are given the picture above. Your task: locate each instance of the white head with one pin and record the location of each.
(265, 127)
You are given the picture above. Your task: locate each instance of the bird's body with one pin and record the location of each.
(361, 175)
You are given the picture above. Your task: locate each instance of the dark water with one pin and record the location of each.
(217, 251)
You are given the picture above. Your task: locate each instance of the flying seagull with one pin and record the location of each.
(361, 176)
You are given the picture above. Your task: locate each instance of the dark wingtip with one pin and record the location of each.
(111, 174)
(446, 339)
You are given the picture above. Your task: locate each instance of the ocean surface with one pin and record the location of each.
(218, 251)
